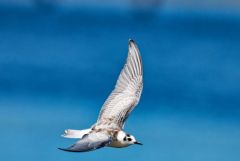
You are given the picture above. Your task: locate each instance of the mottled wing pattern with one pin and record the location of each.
(90, 142)
(126, 94)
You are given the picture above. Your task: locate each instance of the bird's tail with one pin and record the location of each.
(75, 134)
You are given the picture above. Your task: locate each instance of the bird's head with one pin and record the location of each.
(127, 139)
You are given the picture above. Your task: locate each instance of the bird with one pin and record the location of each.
(108, 131)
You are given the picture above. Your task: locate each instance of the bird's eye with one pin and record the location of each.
(124, 139)
(129, 139)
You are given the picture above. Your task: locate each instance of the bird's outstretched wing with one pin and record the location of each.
(126, 94)
(90, 142)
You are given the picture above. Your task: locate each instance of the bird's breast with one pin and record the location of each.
(117, 144)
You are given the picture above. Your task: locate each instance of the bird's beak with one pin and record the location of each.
(138, 143)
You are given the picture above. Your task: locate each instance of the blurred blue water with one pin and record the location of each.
(58, 66)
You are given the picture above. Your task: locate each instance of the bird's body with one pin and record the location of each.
(122, 140)
(108, 130)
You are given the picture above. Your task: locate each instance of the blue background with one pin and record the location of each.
(58, 65)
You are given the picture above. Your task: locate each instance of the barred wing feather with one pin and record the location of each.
(127, 91)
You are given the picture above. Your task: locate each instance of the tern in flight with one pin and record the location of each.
(108, 130)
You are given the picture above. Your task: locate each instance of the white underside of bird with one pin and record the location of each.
(108, 130)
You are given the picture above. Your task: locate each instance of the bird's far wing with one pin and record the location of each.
(126, 94)
(90, 142)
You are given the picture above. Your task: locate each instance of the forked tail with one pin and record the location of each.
(75, 134)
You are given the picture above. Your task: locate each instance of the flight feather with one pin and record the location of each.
(126, 93)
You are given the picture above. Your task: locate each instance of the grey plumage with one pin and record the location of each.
(92, 141)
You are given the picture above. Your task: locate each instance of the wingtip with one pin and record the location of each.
(71, 150)
(131, 41)
(62, 149)
(68, 150)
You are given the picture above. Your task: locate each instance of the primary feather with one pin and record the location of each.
(92, 141)
(126, 94)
